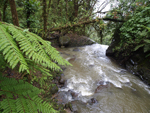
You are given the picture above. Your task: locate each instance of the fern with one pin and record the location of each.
(138, 46)
(21, 97)
(30, 52)
(21, 47)
(11, 51)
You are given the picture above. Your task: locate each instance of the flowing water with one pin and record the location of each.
(94, 76)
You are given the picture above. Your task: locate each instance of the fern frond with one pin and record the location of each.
(28, 46)
(147, 48)
(147, 41)
(11, 51)
(21, 97)
(32, 48)
(138, 46)
(48, 50)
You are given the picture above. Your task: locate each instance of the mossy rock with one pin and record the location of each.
(54, 89)
(64, 40)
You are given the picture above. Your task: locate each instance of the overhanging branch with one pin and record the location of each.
(85, 22)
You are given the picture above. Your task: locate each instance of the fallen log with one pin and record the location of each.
(84, 23)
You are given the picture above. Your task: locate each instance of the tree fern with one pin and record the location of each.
(22, 47)
(21, 97)
(30, 52)
(11, 51)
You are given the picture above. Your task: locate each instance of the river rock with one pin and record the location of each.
(123, 71)
(74, 40)
(76, 49)
(71, 107)
(73, 94)
(127, 84)
(67, 110)
(102, 85)
(63, 97)
(91, 65)
(54, 89)
(58, 78)
(74, 104)
(62, 80)
(72, 59)
(64, 40)
(92, 101)
(63, 68)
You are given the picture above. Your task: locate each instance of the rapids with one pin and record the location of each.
(94, 75)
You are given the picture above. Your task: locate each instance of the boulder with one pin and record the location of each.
(73, 94)
(63, 97)
(62, 79)
(69, 39)
(54, 89)
(76, 49)
(64, 40)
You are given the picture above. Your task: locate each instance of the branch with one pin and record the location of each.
(84, 23)
(114, 20)
(101, 12)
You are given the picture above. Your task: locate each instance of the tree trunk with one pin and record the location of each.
(4, 10)
(101, 36)
(14, 12)
(0, 16)
(49, 5)
(45, 17)
(28, 15)
(66, 9)
(76, 6)
(88, 7)
(48, 9)
(59, 8)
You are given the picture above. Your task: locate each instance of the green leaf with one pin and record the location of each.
(147, 41)
(146, 48)
(137, 47)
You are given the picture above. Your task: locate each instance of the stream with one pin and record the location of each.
(99, 85)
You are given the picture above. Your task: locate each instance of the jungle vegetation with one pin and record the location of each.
(25, 24)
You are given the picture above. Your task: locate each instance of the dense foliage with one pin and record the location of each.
(135, 33)
(124, 10)
(21, 97)
(28, 52)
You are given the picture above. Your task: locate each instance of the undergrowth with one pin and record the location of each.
(135, 33)
(29, 53)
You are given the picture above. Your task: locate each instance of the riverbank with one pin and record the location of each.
(136, 62)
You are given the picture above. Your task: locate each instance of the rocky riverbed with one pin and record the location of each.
(96, 84)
